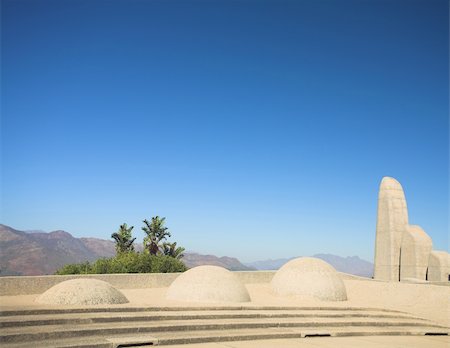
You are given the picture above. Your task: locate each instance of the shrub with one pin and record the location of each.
(76, 268)
(127, 263)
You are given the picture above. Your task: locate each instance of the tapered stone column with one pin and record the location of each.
(392, 219)
(415, 252)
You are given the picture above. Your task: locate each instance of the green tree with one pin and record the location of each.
(156, 232)
(171, 249)
(124, 240)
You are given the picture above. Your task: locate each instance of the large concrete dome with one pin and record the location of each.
(208, 284)
(82, 292)
(308, 276)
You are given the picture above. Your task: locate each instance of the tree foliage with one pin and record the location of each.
(171, 249)
(75, 268)
(123, 239)
(156, 233)
(127, 263)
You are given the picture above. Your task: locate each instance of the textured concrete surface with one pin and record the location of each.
(308, 276)
(415, 252)
(392, 219)
(82, 292)
(334, 342)
(27, 285)
(439, 266)
(176, 325)
(424, 300)
(403, 251)
(373, 308)
(208, 284)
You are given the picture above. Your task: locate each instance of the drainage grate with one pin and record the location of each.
(133, 341)
(318, 335)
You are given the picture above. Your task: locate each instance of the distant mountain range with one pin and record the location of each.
(38, 253)
(352, 264)
(231, 263)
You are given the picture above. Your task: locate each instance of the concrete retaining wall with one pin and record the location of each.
(27, 285)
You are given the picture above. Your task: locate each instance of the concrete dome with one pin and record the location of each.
(82, 292)
(308, 276)
(208, 284)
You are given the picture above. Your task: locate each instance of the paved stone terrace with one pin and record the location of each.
(373, 310)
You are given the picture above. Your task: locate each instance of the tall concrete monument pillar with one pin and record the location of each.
(392, 219)
(403, 252)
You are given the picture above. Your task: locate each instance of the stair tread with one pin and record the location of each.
(230, 334)
(43, 332)
(48, 319)
(118, 308)
(182, 321)
(161, 335)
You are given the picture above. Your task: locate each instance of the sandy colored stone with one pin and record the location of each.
(439, 266)
(333, 342)
(392, 219)
(208, 284)
(82, 292)
(415, 252)
(308, 276)
(422, 300)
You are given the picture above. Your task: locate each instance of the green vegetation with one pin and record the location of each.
(156, 233)
(158, 256)
(127, 263)
(171, 249)
(124, 241)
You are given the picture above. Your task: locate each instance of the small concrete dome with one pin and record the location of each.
(308, 276)
(208, 284)
(82, 292)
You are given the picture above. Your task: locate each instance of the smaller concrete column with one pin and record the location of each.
(439, 266)
(415, 252)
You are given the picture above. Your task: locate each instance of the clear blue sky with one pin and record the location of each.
(257, 128)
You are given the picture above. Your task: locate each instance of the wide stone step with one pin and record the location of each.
(187, 337)
(52, 332)
(103, 327)
(88, 318)
(122, 309)
(280, 333)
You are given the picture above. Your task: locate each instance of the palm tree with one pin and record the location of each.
(124, 240)
(156, 233)
(171, 249)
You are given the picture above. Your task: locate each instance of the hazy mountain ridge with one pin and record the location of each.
(100, 247)
(231, 263)
(37, 253)
(350, 264)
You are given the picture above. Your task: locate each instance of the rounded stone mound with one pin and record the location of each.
(82, 292)
(208, 284)
(308, 276)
